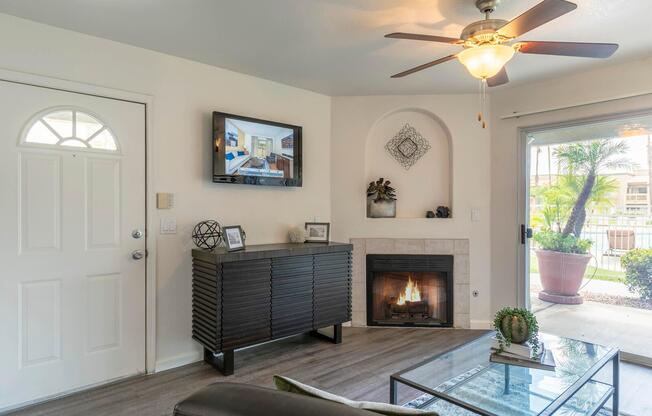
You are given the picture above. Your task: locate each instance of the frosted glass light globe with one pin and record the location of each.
(485, 61)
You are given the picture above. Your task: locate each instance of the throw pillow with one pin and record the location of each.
(293, 386)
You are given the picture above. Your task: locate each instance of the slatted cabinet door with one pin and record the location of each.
(332, 289)
(291, 295)
(246, 303)
(207, 303)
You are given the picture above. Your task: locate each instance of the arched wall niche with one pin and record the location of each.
(428, 183)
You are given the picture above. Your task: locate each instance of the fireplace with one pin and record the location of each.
(409, 290)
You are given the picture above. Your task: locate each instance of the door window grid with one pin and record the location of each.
(71, 128)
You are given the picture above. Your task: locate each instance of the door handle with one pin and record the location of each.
(525, 233)
(137, 255)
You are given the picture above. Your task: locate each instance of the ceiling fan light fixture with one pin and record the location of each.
(485, 61)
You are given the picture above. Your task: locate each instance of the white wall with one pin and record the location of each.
(426, 184)
(185, 93)
(353, 131)
(506, 216)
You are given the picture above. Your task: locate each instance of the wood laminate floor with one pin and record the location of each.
(359, 368)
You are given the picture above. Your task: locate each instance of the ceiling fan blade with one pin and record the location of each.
(424, 66)
(538, 15)
(499, 79)
(586, 50)
(428, 38)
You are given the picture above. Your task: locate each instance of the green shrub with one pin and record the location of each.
(554, 241)
(638, 271)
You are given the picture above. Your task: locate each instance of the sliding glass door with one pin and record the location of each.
(590, 212)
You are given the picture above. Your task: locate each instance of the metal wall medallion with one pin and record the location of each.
(407, 146)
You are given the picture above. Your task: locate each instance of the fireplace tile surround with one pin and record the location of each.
(459, 248)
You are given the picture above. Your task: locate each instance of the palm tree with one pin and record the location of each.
(588, 159)
(559, 199)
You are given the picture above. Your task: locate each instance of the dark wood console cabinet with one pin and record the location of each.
(267, 292)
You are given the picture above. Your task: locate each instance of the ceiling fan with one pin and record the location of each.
(488, 44)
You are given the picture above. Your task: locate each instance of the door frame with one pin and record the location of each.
(523, 202)
(42, 81)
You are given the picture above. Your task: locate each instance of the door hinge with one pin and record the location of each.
(525, 233)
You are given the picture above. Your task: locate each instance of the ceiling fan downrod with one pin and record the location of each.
(487, 7)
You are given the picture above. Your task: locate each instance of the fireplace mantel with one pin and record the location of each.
(458, 248)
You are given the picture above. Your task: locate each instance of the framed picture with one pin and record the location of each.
(318, 232)
(233, 237)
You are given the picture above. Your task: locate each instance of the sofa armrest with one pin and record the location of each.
(233, 399)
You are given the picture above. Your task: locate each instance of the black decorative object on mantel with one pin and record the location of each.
(443, 212)
(207, 234)
(430, 214)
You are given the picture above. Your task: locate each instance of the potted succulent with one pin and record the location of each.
(562, 254)
(516, 326)
(381, 199)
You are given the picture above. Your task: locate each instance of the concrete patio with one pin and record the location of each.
(628, 329)
(624, 327)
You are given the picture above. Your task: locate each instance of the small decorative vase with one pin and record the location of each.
(520, 330)
(297, 235)
(380, 209)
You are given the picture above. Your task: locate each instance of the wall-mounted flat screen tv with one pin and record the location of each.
(255, 152)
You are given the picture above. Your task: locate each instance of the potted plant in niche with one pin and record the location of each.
(381, 199)
(562, 254)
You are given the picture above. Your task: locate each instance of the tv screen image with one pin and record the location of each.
(258, 152)
(257, 149)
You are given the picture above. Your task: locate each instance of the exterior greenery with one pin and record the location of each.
(580, 189)
(504, 333)
(558, 200)
(587, 159)
(638, 271)
(555, 241)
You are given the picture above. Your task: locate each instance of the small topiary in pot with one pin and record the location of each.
(518, 326)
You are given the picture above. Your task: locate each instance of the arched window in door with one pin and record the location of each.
(70, 128)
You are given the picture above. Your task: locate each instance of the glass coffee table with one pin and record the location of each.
(463, 381)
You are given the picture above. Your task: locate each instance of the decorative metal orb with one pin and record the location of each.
(207, 234)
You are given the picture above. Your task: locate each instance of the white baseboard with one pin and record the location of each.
(480, 324)
(178, 361)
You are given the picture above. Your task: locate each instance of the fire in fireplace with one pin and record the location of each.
(409, 290)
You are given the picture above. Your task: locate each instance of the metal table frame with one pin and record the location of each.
(612, 356)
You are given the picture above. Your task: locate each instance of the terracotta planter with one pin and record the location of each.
(561, 274)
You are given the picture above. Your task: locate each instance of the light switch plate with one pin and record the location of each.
(168, 225)
(475, 215)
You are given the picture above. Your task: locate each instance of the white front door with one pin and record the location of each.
(72, 295)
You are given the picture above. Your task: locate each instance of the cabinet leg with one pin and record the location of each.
(337, 334)
(224, 364)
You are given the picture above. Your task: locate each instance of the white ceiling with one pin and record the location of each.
(336, 47)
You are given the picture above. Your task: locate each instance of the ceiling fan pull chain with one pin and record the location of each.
(480, 101)
(483, 101)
